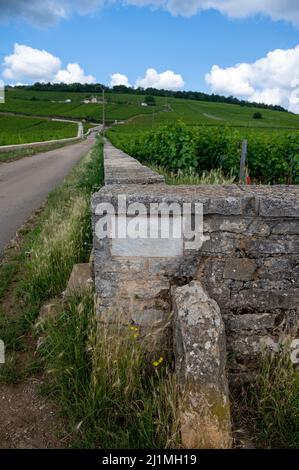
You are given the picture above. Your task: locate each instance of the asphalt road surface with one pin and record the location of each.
(25, 184)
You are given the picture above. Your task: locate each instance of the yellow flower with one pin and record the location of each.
(134, 328)
(157, 363)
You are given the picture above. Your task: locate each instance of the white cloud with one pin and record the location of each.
(73, 74)
(274, 79)
(166, 80)
(47, 12)
(27, 65)
(276, 9)
(119, 79)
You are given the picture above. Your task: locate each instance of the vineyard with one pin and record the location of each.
(178, 135)
(21, 130)
(71, 105)
(273, 158)
(123, 106)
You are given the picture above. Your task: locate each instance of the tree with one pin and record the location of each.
(150, 101)
(257, 115)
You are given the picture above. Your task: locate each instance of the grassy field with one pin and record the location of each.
(124, 106)
(22, 130)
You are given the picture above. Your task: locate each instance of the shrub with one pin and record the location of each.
(150, 101)
(257, 115)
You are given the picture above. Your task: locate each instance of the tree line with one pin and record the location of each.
(190, 95)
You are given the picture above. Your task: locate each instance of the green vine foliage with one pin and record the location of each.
(272, 158)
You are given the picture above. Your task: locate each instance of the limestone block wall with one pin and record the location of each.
(248, 263)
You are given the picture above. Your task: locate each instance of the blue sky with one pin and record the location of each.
(129, 39)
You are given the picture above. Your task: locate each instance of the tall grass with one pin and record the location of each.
(58, 248)
(192, 178)
(271, 403)
(99, 375)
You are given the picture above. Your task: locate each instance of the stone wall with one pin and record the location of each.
(248, 263)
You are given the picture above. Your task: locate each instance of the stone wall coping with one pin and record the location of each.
(120, 168)
(265, 201)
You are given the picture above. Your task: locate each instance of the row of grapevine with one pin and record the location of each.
(272, 158)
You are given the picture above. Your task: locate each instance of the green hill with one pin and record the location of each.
(123, 106)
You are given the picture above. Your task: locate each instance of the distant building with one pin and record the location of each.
(92, 100)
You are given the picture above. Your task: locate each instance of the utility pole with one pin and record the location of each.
(242, 174)
(103, 116)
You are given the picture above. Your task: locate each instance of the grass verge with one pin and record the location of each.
(28, 152)
(270, 405)
(38, 267)
(113, 398)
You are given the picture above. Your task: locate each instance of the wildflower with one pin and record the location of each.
(158, 363)
(134, 328)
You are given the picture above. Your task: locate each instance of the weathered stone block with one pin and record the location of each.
(105, 288)
(268, 246)
(286, 228)
(146, 289)
(261, 300)
(200, 353)
(260, 228)
(227, 224)
(277, 265)
(280, 207)
(247, 346)
(240, 269)
(80, 279)
(250, 322)
(220, 244)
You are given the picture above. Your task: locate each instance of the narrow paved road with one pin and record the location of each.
(25, 184)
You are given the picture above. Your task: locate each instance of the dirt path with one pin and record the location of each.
(28, 421)
(25, 184)
(216, 118)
